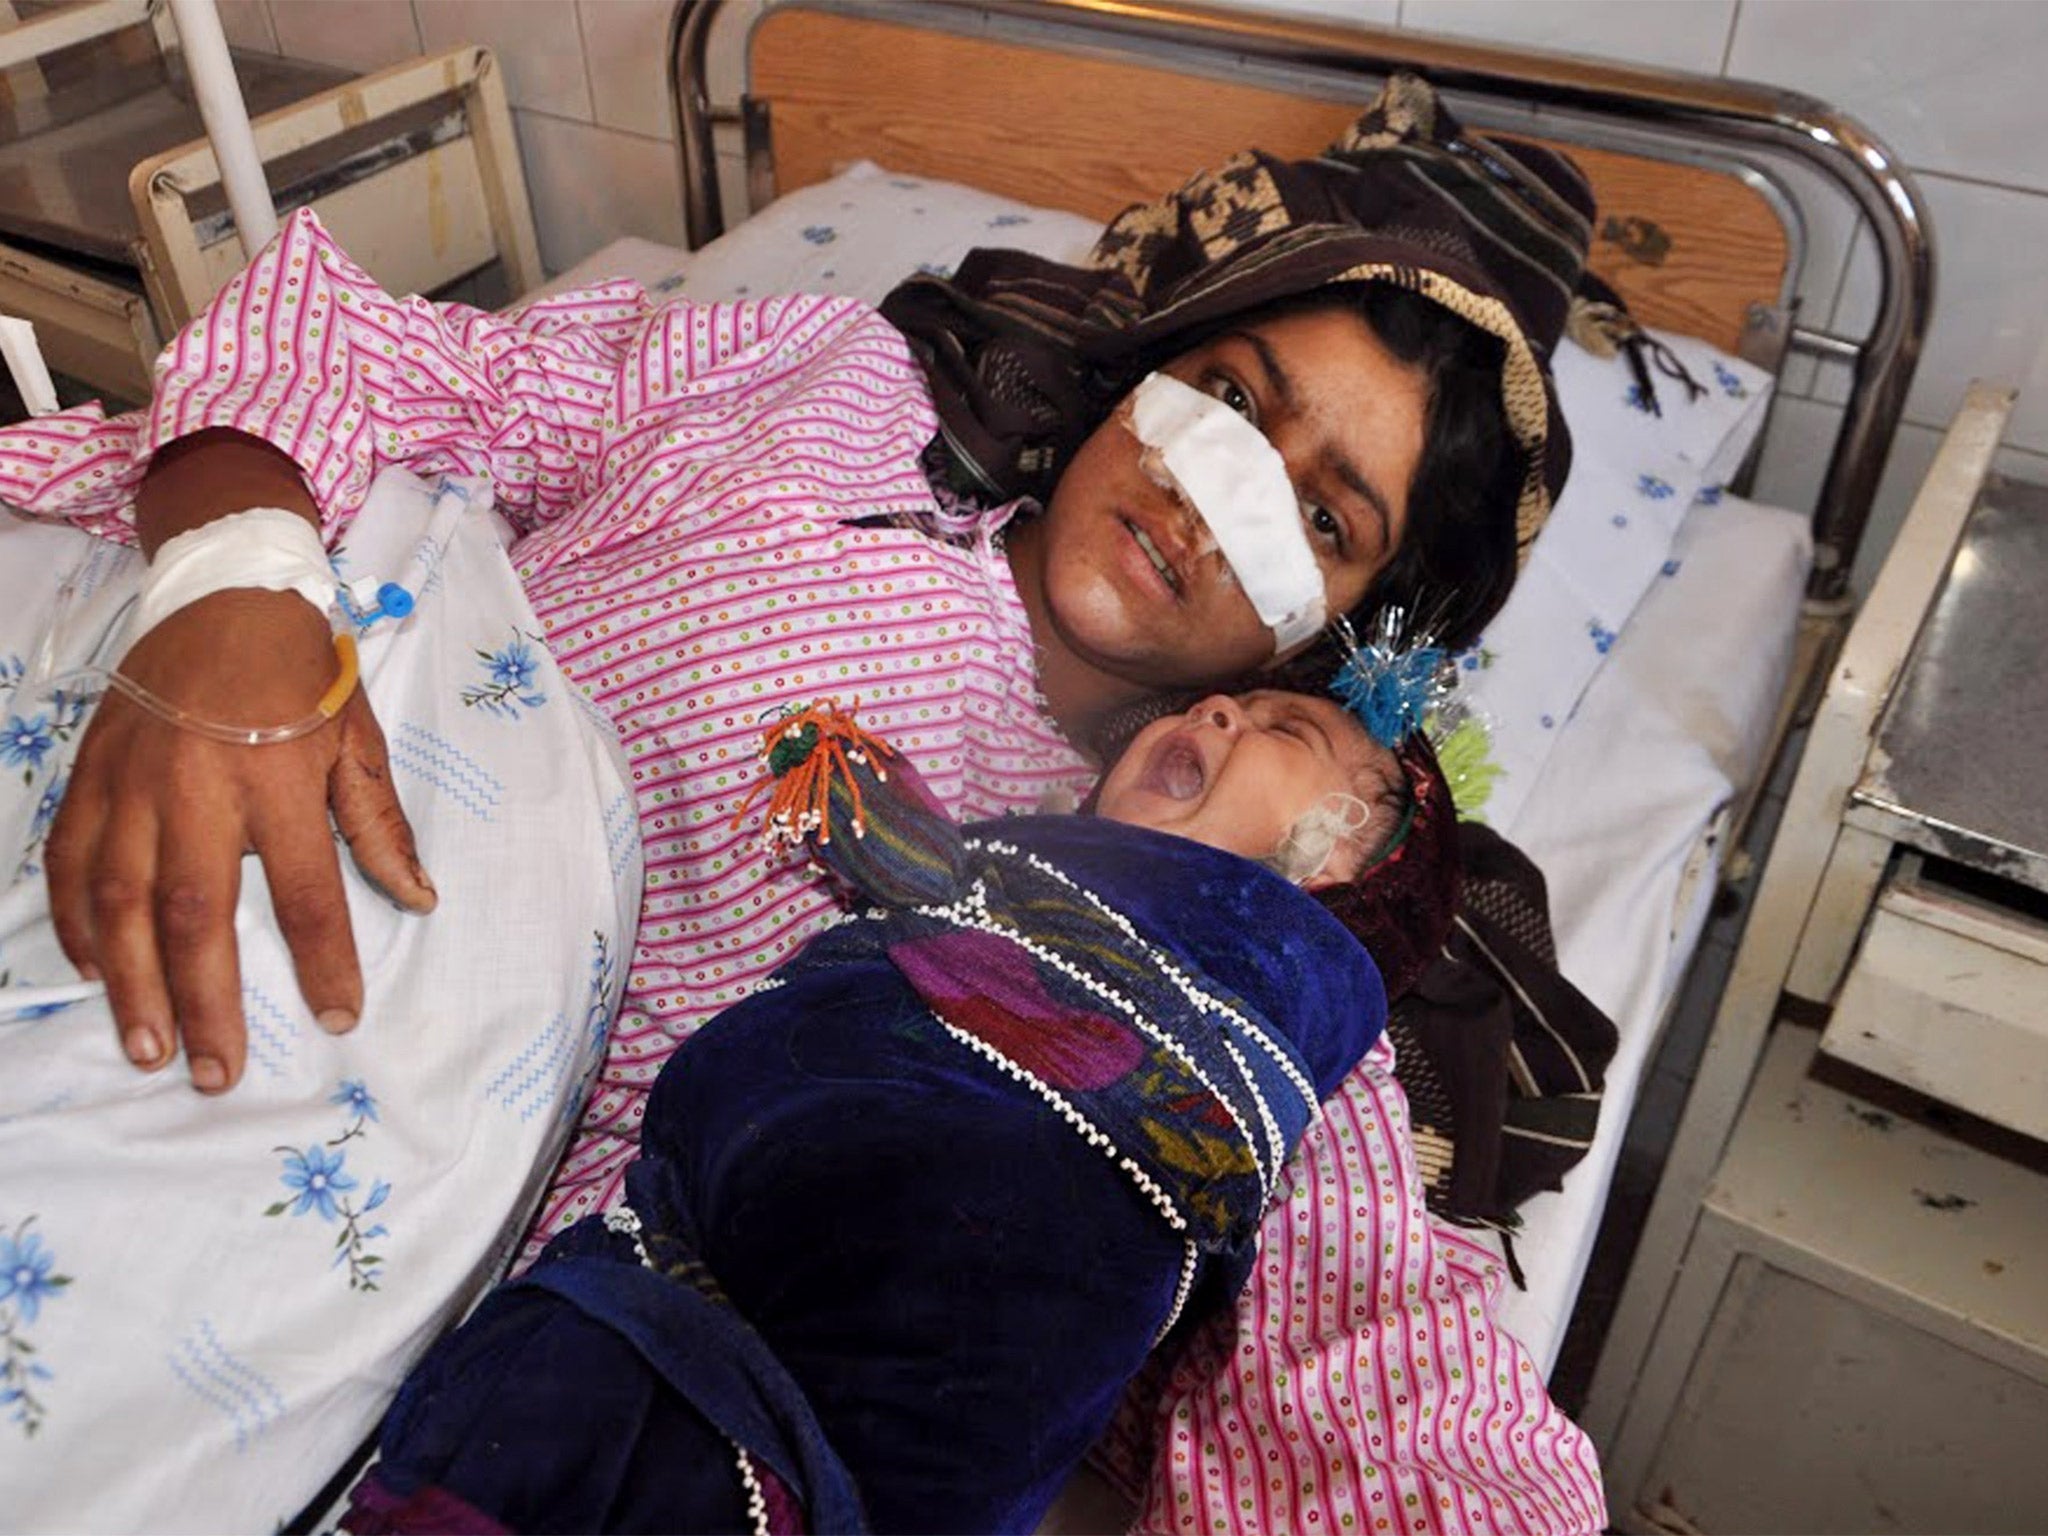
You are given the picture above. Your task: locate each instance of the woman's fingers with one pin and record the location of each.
(122, 913)
(304, 872)
(198, 877)
(367, 812)
(67, 863)
(145, 857)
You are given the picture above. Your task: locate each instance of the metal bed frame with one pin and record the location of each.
(1749, 130)
(1754, 132)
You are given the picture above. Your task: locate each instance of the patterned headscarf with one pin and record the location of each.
(1026, 356)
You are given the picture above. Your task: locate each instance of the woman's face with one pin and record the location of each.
(1347, 418)
(1238, 773)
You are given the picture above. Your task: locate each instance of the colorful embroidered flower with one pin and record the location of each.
(46, 808)
(355, 1098)
(512, 669)
(25, 1277)
(514, 666)
(316, 1176)
(26, 742)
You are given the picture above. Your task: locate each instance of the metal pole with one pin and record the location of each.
(227, 121)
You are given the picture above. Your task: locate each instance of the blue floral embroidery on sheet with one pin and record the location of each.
(27, 1281)
(1654, 488)
(1008, 220)
(40, 1011)
(538, 1073)
(355, 1098)
(821, 234)
(1638, 399)
(1669, 568)
(25, 742)
(271, 1030)
(317, 1183)
(240, 1393)
(1620, 519)
(31, 736)
(513, 670)
(1710, 495)
(1603, 639)
(448, 768)
(621, 830)
(1548, 722)
(39, 823)
(1730, 382)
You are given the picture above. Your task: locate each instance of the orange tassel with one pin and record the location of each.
(802, 750)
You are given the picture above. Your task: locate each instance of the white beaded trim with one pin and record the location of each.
(1086, 1128)
(1189, 1261)
(971, 911)
(1207, 1001)
(757, 1498)
(625, 1220)
(1276, 1149)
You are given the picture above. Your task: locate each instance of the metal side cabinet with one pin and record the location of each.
(1837, 1319)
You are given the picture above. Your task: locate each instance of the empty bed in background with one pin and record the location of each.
(114, 229)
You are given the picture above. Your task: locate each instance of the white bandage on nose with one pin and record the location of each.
(1237, 483)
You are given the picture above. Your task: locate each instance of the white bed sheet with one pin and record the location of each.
(1625, 825)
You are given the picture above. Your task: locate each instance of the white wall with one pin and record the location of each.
(1956, 87)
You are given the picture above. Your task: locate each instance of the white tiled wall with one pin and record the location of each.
(1956, 89)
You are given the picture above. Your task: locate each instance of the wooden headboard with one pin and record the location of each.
(1690, 249)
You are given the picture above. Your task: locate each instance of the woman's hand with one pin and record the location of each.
(145, 858)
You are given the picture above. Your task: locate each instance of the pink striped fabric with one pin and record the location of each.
(1362, 1384)
(722, 509)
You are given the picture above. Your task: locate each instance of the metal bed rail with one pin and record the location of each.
(1712, 117)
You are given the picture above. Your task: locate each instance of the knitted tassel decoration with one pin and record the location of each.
(805, 749)
(827, 775)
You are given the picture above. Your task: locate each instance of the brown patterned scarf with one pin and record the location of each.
(1026, 355)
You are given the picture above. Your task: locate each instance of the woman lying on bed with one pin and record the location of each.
(906, 1220)
(726, 505)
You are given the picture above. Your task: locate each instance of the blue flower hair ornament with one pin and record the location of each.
(1396, 682)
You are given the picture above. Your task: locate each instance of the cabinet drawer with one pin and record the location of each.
(1949, 995)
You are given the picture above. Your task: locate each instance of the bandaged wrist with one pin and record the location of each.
(264, 547)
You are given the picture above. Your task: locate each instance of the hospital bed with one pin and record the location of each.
(114, 227)
(1639, 695)
(1637, 729)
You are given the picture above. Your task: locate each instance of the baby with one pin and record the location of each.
(907, 1220)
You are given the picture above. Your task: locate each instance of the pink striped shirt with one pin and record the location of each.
(723, 511)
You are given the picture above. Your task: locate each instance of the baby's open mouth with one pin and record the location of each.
(1176, 770)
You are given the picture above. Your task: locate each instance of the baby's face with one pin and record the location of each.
(1237, 773)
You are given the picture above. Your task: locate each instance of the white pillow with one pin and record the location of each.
(1633, 473)
(860, 233)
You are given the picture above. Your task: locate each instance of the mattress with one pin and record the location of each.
(1625, 824)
